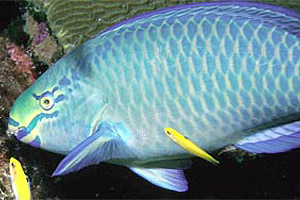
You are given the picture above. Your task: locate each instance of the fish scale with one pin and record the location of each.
(182, 58)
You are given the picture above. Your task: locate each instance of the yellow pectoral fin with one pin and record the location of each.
(188, 145)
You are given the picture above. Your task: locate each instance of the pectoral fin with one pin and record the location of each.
(279, 139)
(172, 179)
(104, 144)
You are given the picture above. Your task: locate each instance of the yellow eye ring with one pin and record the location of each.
(46, 103)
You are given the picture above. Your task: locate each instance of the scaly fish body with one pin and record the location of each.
(217, 72)
(207, 74)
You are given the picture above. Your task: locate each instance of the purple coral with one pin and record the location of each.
(41, 34)
(22, 60)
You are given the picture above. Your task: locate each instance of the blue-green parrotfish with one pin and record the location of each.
(221, 72)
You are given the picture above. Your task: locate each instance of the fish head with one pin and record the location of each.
(14, 167)
(57, 111)
(172, 133)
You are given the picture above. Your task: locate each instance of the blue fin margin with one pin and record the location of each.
(284, 18)
(171, 179)
(275, 140)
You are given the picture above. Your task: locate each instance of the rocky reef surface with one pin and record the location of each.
(75, 21)
(44, 47)
(20, 65)
(16, 74)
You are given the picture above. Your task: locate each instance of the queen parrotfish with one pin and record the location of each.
(223, 73)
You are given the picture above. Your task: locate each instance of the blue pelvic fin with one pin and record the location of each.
(104, 144)
(171, 179)
(274, 140)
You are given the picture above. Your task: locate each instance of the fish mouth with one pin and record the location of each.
(13, 127)
(19, 132)
(12, 131)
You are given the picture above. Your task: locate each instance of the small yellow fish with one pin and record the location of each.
(188, 145)
(19, 182)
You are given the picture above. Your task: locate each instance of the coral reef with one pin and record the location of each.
(75, 21)
(238, 155)
(22, 61)
(31, 160)
(15, 76)
(43, 44)
(17, 72)
(15, 32)
(5, 189)
(41, 34)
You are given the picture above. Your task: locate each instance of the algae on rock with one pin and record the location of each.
(43, 44)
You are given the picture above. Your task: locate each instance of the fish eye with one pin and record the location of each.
(13, 165)
(168, 133)
(46, 103)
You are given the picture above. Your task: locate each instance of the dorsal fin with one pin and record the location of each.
(280, 17)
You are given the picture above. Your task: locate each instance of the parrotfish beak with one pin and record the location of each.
(20, 116)
(20, 133)
(21, 124)
(13, 127)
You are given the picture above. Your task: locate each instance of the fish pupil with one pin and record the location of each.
(13, 165)
(46, 102)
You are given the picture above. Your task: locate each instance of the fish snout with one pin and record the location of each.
(18, 132)
(13, 127)
(12, 131)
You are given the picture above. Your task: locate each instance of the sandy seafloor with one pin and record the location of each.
(275, 176)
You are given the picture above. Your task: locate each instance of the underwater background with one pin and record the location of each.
(34, 34)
